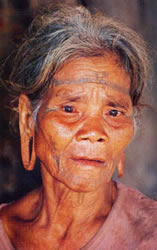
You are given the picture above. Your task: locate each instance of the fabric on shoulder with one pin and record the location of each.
(5, 243)
(130, 225)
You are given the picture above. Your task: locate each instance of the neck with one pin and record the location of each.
(63, 214)
(59, 203)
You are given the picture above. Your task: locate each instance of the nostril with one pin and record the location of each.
(100, 140)
(92, 136)
(85, 138)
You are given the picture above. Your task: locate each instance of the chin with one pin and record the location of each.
(81, 184)
(81, 177)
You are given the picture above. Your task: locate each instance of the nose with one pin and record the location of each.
(93, 130)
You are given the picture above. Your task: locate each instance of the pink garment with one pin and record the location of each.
(130, 225)
(5, 243)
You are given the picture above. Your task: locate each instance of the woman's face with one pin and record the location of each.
(85, 122)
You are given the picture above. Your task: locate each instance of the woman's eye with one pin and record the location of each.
(68, 109)
(114, 112)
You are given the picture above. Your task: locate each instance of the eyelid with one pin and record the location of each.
(121, 113)
(118, 108)
(59, 105)
(124, 113)
(118, 111)
(68, 105)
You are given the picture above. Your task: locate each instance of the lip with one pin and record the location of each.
(89, 162)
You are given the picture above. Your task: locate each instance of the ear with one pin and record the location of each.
(26, 125)
(120, 166)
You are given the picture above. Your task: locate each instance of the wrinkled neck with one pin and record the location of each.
(80, 207)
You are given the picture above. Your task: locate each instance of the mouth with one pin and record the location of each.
(89, 162)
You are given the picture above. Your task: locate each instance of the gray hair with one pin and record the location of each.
(63, 33)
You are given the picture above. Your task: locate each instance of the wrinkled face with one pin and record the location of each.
(85, 122)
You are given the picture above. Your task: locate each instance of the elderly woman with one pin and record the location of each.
(78, 78)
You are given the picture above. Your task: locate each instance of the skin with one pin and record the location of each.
(83, 126)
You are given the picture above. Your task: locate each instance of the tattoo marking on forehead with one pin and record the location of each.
(98, 78)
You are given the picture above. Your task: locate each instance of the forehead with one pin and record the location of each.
(105, 70)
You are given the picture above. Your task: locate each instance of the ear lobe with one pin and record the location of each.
(26, 126)
(120, 166)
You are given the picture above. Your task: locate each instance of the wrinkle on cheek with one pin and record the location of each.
(42, 136)
(52, 152)
(57, 162)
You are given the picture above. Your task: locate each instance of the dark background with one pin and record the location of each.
(141, 170)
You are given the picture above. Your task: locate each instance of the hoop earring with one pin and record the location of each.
(33, 155)
(120, 166)
(28, 153)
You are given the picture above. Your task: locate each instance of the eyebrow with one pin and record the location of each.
(118, 104)
(91, 80)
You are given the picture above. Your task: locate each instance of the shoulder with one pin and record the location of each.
(21, 207)
(136, 199)
(5, 242)
(140, 213)
(22, 210)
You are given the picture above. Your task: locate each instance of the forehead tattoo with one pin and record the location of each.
(98, 77)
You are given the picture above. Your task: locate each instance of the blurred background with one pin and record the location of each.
(141, 170)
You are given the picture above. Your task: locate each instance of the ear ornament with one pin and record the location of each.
(120, 166)
(28, 153)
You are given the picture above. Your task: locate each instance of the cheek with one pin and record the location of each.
(56, 135)
(45, 147)
(46, 151)
(122, 138)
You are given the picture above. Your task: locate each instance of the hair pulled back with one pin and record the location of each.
(63, 33)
